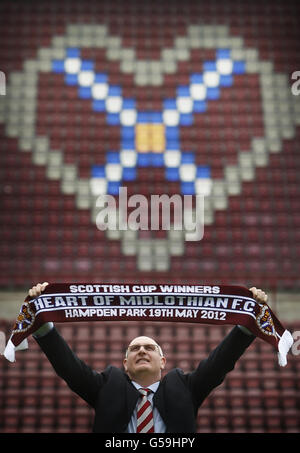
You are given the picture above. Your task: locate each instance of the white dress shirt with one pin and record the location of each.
(159, 425)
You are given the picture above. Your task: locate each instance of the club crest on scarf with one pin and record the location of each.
(24, 320)
(265, 322)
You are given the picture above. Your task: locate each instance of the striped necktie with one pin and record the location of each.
(144, 413)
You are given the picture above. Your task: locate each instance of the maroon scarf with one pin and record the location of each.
(203, 304)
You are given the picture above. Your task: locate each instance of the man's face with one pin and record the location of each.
(144, 358)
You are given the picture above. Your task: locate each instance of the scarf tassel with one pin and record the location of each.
(9, 352)
(285, 343)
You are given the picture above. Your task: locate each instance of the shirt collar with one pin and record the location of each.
(152, 387)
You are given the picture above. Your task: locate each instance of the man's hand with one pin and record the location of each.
(259, 295)
(36, 291)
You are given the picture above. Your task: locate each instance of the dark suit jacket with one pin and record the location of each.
(114, 397)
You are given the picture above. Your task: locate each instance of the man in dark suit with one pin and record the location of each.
(169, 404)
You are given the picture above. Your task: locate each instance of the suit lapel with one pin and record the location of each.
(132, 396)
(158, 401)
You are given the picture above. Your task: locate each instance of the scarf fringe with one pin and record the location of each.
(10, 349)
(284, 345)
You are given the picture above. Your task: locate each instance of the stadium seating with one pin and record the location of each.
(240, 148)
(252, 221)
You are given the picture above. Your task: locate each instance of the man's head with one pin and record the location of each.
(144, 360)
